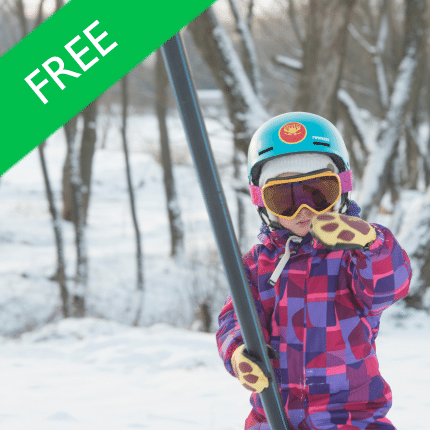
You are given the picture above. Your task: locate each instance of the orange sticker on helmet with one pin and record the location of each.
(292, 132)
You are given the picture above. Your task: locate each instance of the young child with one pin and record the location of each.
(320, 279)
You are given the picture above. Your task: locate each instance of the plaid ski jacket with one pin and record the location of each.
(322, 316)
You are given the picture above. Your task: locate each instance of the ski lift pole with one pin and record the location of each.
(192, 119)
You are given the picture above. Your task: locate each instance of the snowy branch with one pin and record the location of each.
(375, 51)
(250, 52)
(355, 117)
(361, 40)
(382, 81)
(374, 181)
(246, 111)
(255, 113)
(288, 62)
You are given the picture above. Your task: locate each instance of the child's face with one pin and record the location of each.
(301, 223)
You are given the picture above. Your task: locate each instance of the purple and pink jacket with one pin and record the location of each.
(322, 316)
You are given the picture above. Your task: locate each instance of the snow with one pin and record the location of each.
(96, 374)
(101, 373)
(289, 62)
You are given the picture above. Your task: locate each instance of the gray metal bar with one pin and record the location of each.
(178, 69)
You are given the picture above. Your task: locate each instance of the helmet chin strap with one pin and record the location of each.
(345, 203)
(273, 225)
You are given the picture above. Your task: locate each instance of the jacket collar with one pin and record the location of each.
(278, 238)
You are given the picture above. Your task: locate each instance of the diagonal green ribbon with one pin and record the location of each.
(72, 58)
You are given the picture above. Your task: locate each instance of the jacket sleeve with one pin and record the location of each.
(229, 335)
(380, 276)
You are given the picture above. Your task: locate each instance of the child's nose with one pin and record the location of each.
(305, 213)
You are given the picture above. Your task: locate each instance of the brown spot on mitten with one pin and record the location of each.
(252, 379)
(345, 235)
(356, 224)
(245, 368)
(248, 387)
(326, 217)
(330, 227)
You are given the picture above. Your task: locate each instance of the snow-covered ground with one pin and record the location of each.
(100, 373)
(94, 374)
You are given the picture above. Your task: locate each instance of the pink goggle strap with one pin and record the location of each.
(345, 182)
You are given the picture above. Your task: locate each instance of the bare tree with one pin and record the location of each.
(56, 223)
(138, 302)
(81, 277)
(246, 113)
(173, 209)
(60, 275)
(244, 108)
(248, 51)
(323, 56)
(88, 145)
(375, 175)
(86, 150)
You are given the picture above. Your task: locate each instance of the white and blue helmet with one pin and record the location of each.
(298, 133)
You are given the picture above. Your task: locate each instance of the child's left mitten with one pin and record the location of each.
(248, 371)
(336, 231)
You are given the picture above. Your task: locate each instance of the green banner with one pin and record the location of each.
(72, 58)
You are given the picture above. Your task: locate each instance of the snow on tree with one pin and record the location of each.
(356, 118)
(249, 52)
(289, 62)
(243, 105)
(375, 178)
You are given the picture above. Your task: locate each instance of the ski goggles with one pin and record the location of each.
(319, 191)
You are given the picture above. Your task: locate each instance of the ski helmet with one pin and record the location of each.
(294, 133)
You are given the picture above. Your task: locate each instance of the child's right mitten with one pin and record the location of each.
(336, 231)
(246, 368)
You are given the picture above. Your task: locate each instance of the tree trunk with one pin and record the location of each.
(60, 275)
(249, 53)
(139, 263)
(375, 182)
(56, 223)
(88, 145)
(81, 277)
(85, 151)
(323, 59)
(22, 18)
(244, 108)
(68, 206)
(173, 209)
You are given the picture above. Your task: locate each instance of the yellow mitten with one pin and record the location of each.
(337, 231)
(248, 372)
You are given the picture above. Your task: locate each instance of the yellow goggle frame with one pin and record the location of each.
(318, 192)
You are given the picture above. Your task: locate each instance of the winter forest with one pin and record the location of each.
(109, 269)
